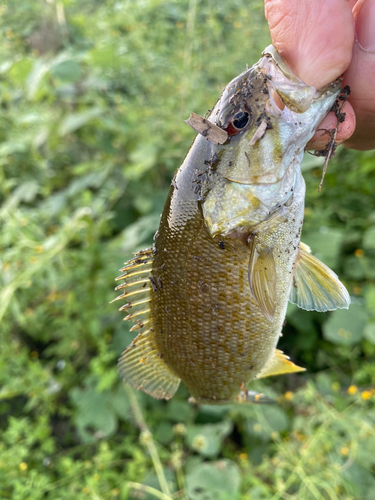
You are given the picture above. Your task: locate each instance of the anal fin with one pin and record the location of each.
(140, 365)
(279, 364)
(315, 286)
(262, 279)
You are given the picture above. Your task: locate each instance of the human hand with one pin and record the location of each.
(316, 39)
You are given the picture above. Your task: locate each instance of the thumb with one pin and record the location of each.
(314, 37)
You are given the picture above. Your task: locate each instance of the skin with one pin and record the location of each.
(335, 37)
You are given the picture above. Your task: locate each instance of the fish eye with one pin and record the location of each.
(240, 120)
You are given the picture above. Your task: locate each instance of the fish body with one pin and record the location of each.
(210, 297)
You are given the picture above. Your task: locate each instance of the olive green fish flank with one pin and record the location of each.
(209, 299)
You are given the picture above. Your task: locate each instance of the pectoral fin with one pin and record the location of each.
(278, 364)
(316, 287)
(262, 279)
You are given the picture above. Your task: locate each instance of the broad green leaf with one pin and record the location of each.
(120, 403)
(95, 418)
(75, 121)
(207, 439)
(369, 332)
(214, 481)
(345, 326)
(354, 267)
(325, 244)
(265, 421)
(139, 231)
(67, 71)
(369, 239)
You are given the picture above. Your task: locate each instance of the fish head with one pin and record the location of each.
(269, 115)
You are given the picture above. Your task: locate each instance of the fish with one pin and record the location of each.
(209, 298)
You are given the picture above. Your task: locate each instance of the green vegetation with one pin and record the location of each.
(93, 98)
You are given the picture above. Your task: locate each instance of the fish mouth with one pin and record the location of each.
(264, 180)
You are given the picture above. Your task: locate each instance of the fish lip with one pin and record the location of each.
(253, 182)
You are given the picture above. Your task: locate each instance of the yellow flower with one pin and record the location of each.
(359, 252)
(352, 390)
(243, 456)
(366, 394)
(23, 466)
(288, 395)
(344, 451)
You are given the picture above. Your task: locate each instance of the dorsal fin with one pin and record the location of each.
(262, 279)
(278, 364)
(136, 288)
(315, 286)
(141, 364)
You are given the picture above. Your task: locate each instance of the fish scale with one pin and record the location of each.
(209, 299)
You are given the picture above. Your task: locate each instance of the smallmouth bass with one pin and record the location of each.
(210, 298)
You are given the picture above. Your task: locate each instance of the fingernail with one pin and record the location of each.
(365, 25)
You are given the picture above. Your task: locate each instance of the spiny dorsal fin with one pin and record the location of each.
(137, 285)
(315, 286)
(141, 365)
(278, 364)
(262, 279)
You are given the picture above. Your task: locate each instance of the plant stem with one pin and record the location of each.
(148, 440)
(149, 489)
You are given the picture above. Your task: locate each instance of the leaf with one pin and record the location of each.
(369, 239)
(353, 268)
(141, 161)
(214, 481)
(266, 421)
(207, 439)
(67, 71)
(362, 480)
(179, 411)
(26, 191)
(75, 121)
(325, 245)
(139, 231)
(95, 418)
(120, 403)
(152, 480)
(346, 326)
(40, 68)
(369, 332)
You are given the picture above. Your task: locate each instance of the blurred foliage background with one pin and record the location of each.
(93, 98)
